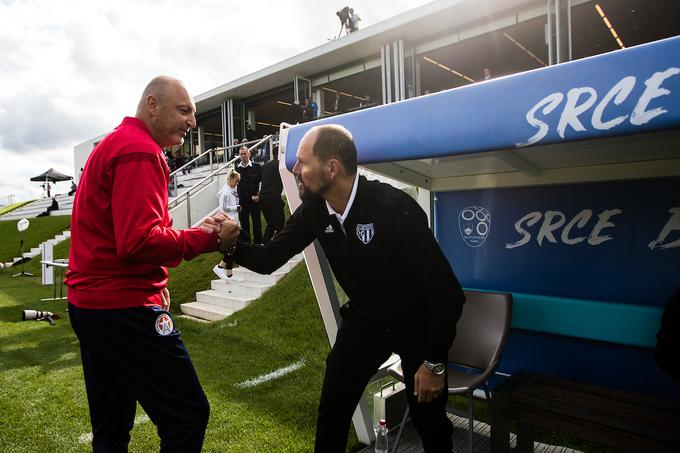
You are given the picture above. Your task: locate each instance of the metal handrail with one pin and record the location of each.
(220, 148)
(185, 197)
(186, 194)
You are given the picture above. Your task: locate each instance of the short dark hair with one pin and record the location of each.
(335, 141)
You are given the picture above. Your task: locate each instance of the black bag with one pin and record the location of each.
(667, 352)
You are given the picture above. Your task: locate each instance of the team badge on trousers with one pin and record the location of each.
(365, 232)
(164, 325)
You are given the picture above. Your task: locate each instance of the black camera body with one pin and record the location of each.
(343, 15)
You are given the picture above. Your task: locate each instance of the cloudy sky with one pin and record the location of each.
(71, 69)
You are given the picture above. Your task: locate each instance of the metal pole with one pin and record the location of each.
(569, 26)
(549, 37)
(230, 121)
(225, 132)
(388, 73)
(188, 208)
(558, 40)
(402, 73)
(382, 73)
(61, 280)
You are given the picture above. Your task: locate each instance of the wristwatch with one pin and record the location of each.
(436, 368)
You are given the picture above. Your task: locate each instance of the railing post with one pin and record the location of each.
(188, 208)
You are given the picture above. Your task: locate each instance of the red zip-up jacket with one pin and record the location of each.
(121, 230)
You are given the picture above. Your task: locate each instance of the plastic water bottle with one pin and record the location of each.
(381, 437)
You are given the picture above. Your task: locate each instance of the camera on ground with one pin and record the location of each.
(37, 315)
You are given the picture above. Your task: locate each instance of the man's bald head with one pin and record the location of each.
(158, 88)
(167, 110)
(333, 141)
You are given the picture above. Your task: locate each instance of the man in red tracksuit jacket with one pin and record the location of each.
(121, 241)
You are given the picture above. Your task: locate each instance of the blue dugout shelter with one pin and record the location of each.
(559, 185)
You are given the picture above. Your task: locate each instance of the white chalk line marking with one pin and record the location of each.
(269, 376)
(87, 437)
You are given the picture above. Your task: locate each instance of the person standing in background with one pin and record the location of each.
(247, 196)
(314, 108)
(229, 205)
(270, 198)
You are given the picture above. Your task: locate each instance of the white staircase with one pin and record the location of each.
(33, 209)
(224, 299)
(36, 250)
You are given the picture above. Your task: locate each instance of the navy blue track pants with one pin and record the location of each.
(135, 355)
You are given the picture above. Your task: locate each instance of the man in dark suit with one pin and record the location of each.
(247, 195)
(269, 198)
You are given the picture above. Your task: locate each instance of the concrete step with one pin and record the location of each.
(195, 319)
(205, 311)
(287, 267)
(225, 300)
(249, 289)
(250, 276)
(61, 212)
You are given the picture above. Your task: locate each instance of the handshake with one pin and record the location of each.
(226, 229)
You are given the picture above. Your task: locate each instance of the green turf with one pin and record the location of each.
(42, 394)
(39, 230)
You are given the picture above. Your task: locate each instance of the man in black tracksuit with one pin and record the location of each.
(269, 198)
(404, 297)
(247, 196)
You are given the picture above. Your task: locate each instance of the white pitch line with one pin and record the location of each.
(273, 375)
(87, 437)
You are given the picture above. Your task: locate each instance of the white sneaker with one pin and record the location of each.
(219, 272)
(233, 279)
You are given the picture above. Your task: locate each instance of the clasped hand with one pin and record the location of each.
(226, 228)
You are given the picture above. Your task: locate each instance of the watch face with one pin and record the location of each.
(436, 368)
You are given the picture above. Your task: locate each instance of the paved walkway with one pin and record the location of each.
(410, 441)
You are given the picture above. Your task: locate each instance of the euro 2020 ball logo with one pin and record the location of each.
(474, 223)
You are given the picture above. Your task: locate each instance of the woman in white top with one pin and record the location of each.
(228, 201)
(228, 196)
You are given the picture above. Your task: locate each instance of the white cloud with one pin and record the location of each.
(72, 69)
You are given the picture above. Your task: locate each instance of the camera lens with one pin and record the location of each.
(28, 315)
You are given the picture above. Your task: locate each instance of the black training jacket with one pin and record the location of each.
(388, 262)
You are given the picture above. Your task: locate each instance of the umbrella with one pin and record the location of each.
(51, 175)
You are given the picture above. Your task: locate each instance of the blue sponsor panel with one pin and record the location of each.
(624, 92)
(590, 267)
